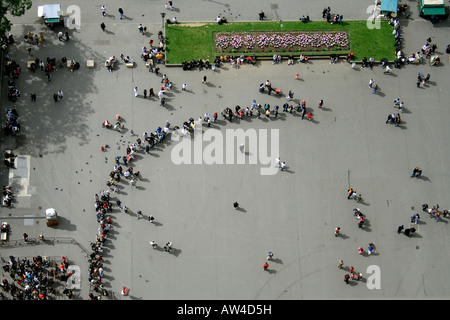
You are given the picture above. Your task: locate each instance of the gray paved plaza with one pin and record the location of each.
(219, 252)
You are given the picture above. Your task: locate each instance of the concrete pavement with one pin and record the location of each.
(219, 252)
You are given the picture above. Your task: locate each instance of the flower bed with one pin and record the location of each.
(260, 42)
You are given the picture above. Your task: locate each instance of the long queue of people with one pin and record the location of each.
(103, 207)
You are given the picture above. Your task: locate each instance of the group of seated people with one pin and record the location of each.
(126, 59)
(201, 64)
(13, 92)
(7, 197)
(303, 58)
(304, 19)
(12, 125)
(109, 63)
(13, 69)
(220, 19)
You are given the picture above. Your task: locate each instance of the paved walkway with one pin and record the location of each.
(219, 252)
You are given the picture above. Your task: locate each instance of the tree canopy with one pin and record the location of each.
(13, 7)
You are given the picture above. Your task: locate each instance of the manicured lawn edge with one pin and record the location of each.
(194, 40)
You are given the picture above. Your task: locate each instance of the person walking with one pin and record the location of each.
(270, 255)
(141, 29)
(265, 266)
(340, 264)
(282, 165)
(145, 93)
(261, 15)
(346, 278)
(136, 91)
(139, 214)
(320, 104)
(277, 162)
(183, 87)
(60, 94)
(153, 244)
(121, 13)
(151, 218)
(236, 205)
(375, 88)
(204, 79)
(55, 97)
(103, 10)
(168, 247)
(336, 231)
(103, 26)
(370, 83)
(417, 172)
(33, 97)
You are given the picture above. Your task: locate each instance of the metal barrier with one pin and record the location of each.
(37, 241)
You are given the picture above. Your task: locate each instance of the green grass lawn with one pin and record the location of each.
(185, 41)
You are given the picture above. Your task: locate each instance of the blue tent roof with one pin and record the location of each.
(389, 6)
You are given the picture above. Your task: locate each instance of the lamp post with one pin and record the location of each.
(163, 14)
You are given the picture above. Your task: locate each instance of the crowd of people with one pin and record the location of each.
(38, 278)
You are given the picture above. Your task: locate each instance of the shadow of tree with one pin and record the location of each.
(47, 125)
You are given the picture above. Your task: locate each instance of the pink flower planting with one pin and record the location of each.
(248, 41)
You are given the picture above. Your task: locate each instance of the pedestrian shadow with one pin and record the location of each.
(271, 271)
(406, 110)
(424, 178)
(343, 236)
(286, 169)
(414, 235)
(156, 223)
(111, 16)
(276, 260)
(241, 209)
(364, 203)
(176, 252)
(326, 109)
(110, 32)
(124, 17)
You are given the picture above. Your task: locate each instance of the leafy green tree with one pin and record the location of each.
(15, 8)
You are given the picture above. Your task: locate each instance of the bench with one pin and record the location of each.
(130, 65)
(90, 64)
